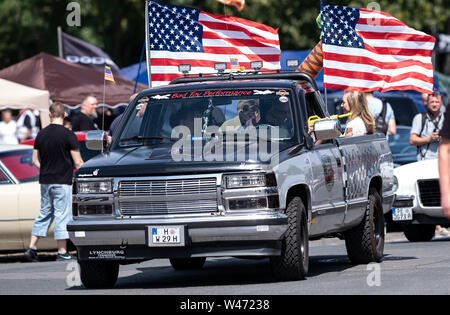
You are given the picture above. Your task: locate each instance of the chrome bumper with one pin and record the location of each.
(125, 232)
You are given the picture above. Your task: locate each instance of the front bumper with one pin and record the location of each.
(237, 235)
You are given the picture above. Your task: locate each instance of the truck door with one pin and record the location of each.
(327, 201)
(357, 159)
(328, 205)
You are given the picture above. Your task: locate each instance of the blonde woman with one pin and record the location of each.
(361, 122)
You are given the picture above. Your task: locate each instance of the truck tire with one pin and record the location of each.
(293, 262)
(419, 232)
(187, 263)
(99, 274)
(365, 242)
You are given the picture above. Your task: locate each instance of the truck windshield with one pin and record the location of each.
(204, 115)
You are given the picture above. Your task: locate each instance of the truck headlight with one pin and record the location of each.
(249, 180)
(95, 187)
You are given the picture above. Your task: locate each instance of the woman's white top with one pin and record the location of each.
(358, 127)
(8, 133)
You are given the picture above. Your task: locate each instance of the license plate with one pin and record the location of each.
(402, 214)
(161, 236)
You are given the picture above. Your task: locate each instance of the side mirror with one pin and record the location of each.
(96, 140)
(327, 129)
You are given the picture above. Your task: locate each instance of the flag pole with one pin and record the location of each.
(147, 43)
(104, 99)
(60, 47)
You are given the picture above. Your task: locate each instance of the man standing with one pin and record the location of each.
(56, 153)
(84, 120)
(425, 129)
(444, 165)
(383, 114)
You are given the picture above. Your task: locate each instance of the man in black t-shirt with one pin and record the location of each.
(83, 121)
(444, 165)
(56, 153)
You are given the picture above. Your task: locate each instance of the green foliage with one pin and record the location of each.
(117, 26)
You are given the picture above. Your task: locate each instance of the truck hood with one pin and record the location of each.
(158, 161)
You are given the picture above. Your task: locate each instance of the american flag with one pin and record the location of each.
(179, 35)
(368, 50)
(109, 75)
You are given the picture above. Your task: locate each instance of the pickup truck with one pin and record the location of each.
(216, 166)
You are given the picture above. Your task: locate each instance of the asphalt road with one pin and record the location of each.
(407, 268)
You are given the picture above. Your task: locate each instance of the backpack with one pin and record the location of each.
(380, 121)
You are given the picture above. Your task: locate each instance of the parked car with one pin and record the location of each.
(86, 154)
(418, 200)
(402, 152)
(20, 199)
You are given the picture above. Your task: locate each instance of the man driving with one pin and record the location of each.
(249, 115)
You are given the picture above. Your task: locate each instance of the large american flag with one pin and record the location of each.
(368, 50)
(180, 35)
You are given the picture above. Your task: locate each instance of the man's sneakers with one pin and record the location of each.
(63, 257)
(442, 232)
(31, 255)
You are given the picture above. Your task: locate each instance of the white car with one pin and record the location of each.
(418, 200)
(20, 199)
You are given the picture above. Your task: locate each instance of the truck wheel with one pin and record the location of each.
(187, 263)
(365, 243)
(419, 232)
(99, 274)
(293, 262)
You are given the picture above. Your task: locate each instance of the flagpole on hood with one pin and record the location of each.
(60, 44)
(147, 44)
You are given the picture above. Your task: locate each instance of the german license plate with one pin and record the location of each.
(402, 214)
(166, 236)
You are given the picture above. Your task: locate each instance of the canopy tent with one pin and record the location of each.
(17, 96)
(68, 83)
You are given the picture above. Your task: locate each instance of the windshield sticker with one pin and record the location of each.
(284, 99)
(161, 97)
(282, 93)
(266, 92)
(196, 94)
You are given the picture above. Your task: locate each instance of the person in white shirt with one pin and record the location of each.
(8, 129)
(361, 122)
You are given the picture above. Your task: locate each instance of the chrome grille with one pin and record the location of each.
(158, 197)
(430, 193)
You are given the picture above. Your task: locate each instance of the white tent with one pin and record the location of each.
(17, 96)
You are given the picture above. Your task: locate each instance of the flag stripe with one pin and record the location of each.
(398, 37)
(356, 52)
(371, 89)
(237, 32)
(361, 60)
(352, 74)
(383, 86)
(253, 27)
(338, 65)
(213, 39)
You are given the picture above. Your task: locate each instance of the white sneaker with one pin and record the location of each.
(443, 232)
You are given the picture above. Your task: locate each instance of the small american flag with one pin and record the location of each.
(368, 50)
(109, 75)
(180, 35)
